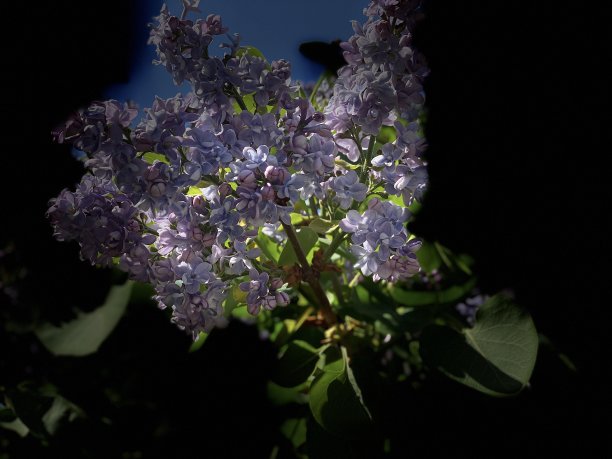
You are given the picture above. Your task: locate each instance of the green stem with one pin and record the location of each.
(240, 101)
(326, 74)
(336, 241)
(368, 157)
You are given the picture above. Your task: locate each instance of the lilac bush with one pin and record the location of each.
(180, 198)
(258, 197)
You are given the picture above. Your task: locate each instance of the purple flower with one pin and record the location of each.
(193, 275)
(348, 188)
(389, 154)
(257, 290)
(405, 181)
(314, 155)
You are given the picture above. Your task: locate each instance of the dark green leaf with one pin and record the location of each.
(85, 334)
(496, 356)
(279, 395)
(296, 364)
(6, 414)
(294, 429)
(60, 409)
(30, 407)
(335, 399)
(312, 335)
(428, 257)
(420, 298)
(321, 444)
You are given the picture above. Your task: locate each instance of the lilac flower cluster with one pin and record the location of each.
(382, 85)
(381, 241)
(182, 198)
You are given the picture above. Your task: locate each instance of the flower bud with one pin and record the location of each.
(157, 189)
(269, 302)
(224, 190)
(267, 193)
(282, 299)
(276, 283)
(199, 203)
(247, 178)
(276, 175)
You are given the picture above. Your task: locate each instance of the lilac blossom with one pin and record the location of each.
(141, 205)
(348, 188)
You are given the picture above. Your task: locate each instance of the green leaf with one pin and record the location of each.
(17, 426)
(249, 102)
(234, 300)
(268, 247)
(40, 410)
(321, 226)
(150, 157)
(6, 414)
(280, 395)
(296, 218)
(321, 444)
(296, 364)
(59, 410)
(496, 356)
(420, 298)
(30, 407)
(251, 51)
(85, 334)
(387, 134)
(294, 429)
(428, 257)
(335, 399)
(193, 191)
(197, 344)
(307, 238)
(241, 312)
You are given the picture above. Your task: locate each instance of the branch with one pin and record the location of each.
(310, 278)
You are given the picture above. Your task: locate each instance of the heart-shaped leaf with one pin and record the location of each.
(496, 356)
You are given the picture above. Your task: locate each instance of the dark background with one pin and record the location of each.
(517, 179)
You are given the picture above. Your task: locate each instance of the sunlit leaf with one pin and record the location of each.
(85, 334)
(307, 238)
(269, 248)
(251, 51)
(199, 342)
(150, 157)
(321, 226)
